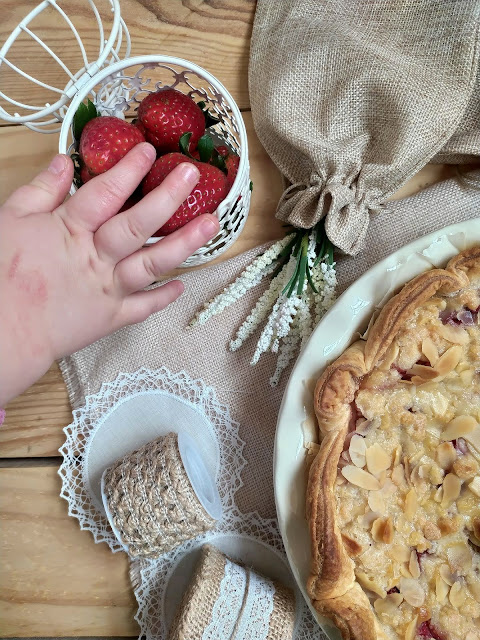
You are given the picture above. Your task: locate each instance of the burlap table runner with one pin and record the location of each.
(351, 99)
(164, 340)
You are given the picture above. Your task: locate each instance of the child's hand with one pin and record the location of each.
(72, 272)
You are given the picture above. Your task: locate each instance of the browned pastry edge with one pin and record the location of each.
(332, 586)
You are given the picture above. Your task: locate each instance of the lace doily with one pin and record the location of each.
(117, 420)
(135, 409)
(159, 584)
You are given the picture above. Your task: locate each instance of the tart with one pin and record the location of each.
(393, 495)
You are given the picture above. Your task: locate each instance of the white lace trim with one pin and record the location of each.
(255, 620)
(82, 504)
(228, 606)
(243, 607)
(154, 575)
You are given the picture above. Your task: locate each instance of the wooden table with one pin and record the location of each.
(54, 580)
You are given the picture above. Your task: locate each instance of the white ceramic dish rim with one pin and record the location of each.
(338, 328)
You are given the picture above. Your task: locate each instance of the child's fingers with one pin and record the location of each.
(147, 265)
(101, 198)
(122, 235)
(46, 191)
(138, 306)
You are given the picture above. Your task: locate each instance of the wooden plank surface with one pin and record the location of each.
(217, 33)
(54, 580)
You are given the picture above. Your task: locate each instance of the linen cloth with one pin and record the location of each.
(164, 339)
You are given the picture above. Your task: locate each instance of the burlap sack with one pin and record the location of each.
(351, 99)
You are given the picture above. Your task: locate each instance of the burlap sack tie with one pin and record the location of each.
(351, 99)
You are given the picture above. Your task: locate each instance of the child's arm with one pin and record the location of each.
(72, 272)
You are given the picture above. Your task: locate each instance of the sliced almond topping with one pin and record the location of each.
(449, 360)
(459, 427)
(400, 553)
(370, 583)
(430, 351)
(465, 467)
(378, 459)
(473, 438)
(449, 525)
(459, 558)
(457, 335)
(457, 595)
(404, 571)
(352, 546)
(412, 591)
(390, 357)
(446, 574)
(451, 489)
(398, 475)
(474, 585)
(431, 531)
(446, 455)
(357, 450)
(441, 589)
(476, 527)
(422, 371)
(466, 376)
(367, 520)
(397, 456)
(382, 530)
(411, 504)
(411, 630)
(360, 478)
(376, 502)
(474, 486)
(413, 565)
(388, 605)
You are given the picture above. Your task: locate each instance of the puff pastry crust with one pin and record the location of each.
(397, 431)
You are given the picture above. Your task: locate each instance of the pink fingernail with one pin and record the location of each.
(209, 227)
(58, 165)
(190, 173)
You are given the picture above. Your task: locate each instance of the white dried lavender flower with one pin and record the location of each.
(260, 310)
(250, 277)
(287, 352)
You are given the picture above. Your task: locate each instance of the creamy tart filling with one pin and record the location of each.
(408, 483)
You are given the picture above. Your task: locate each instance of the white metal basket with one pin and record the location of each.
(116, 86)
(137, 77)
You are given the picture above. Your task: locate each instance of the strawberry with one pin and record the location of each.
(104, 141)
(167, 115)
(232, 162)
(211, 189)
(223, 151)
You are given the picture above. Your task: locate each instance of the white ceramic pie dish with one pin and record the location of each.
(339, 328)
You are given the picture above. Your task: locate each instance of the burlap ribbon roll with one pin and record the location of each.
(351, 99)
(226, 601)
(150, 501)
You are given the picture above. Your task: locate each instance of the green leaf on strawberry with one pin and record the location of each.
(84, 114)
(218, 161)
(184, 144)
(205, 148)
(210, 120)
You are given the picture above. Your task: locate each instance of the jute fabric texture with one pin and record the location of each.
(351, 99)
(164, 339)
(151, 501)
